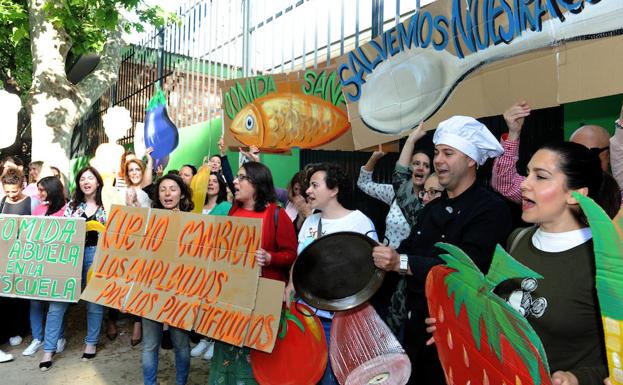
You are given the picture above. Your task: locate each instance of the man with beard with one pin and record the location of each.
(467, 215)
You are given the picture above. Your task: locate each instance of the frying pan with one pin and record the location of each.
(336, 271)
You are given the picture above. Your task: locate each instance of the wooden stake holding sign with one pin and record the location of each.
(41, 257)
(189, 271)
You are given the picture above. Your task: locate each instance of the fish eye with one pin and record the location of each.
(249, 122)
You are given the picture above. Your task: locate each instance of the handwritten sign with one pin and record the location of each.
(190, 271)
(41, 257)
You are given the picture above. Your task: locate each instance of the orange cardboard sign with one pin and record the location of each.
(41, 257)
(187, 270)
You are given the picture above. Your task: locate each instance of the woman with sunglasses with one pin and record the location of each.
(255, 197)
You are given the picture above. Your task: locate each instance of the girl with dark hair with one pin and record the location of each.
(215, 204)
(15, 201)
(565, 316)
(162, 200)
(255, 198)
(171, 193)
(53, 203)
(86, 203)
(297, 208)
(216, 198)
(328, 188)
(52, 194)
(187, 172)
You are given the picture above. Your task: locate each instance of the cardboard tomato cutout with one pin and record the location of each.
(300, 353)
(480, 339)
(608, 247)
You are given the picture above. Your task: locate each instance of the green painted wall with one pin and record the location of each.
(601, 111)
(195, 143)
(283, 167)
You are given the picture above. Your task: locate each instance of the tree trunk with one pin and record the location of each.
(55, 104)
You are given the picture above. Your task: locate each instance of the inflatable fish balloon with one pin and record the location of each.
(160, 132)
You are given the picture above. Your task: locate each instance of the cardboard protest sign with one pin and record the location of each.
(41, 257)
(480, 338)
(477, 58)
(187, 270)
(304, 109)
(608, 246)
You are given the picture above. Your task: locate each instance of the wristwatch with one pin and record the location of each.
(404, 264)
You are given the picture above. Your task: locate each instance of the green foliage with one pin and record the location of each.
(15, 57)
(89, 22)
(86, 22)
(474, 291)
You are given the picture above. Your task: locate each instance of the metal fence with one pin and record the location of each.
(219, 40)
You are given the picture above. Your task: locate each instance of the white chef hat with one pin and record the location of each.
(468, 136)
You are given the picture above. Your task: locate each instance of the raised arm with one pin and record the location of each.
(382, 192)
(504, 178)
(149, 169)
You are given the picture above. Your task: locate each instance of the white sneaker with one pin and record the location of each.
(33, 348)
(16, 340)
(5, 357)
(209, 352)
(200, 348)
(60, 345)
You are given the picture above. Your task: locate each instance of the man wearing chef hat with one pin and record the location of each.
(467, 215)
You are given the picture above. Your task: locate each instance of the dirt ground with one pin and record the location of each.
(117, 362)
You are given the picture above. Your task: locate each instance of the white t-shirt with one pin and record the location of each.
(355, 221)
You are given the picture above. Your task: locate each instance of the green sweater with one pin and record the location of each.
(562, 307)
(221, 208)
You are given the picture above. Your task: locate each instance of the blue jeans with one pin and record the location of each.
(54, 325)
(328, 378)
(37, 312)
(95, 312)
(152, 336)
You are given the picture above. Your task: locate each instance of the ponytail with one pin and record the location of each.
(608, 196)
(582, 167)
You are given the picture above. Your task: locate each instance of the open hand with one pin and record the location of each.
(418, 133)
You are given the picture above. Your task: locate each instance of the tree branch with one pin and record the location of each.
(105, 74)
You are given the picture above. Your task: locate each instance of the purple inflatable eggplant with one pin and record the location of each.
(160, 132)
